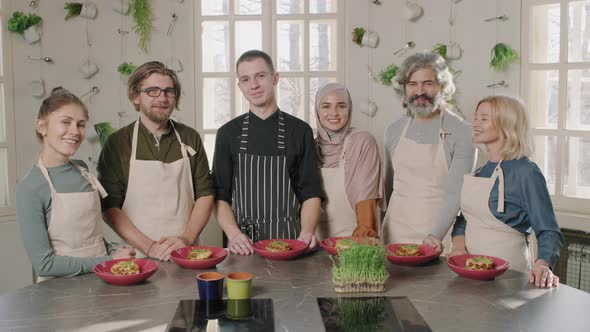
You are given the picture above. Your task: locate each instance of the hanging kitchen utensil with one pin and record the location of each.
(409, 44)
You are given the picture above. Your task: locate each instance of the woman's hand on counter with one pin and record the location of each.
(434, 242)
(458, 244)
(542, 276)
(241, 244)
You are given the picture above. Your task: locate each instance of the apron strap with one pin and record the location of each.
(185, 149)
(85, 174)
(341, 161)
(244, 136)
(281, 140)
(406, 127)
(43, 170)
(442, 132)
(134, 141)
(500, 174)
(281, 134)
(92, 180)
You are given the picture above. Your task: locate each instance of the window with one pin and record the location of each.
(302, 36)
(7, 148)
(556, 83)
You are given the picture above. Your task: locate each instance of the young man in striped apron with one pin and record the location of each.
(265, 167)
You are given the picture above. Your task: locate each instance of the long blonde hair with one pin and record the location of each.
(510, 118)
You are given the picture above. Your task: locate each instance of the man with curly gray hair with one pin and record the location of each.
(428, 152)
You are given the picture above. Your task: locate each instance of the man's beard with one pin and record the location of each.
(157, 117)
(424, 110)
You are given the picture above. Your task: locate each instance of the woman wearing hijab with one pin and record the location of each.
(58, 202)
(506, 199)
(350, 168)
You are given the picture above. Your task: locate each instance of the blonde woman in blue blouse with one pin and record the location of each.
(506, 201)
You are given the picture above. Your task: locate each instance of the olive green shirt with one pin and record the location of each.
(113, 164)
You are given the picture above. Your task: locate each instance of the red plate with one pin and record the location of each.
(427, 253)
(297, 248)
(329, 244)
(457, 264)
(146, 266)
(179, 257)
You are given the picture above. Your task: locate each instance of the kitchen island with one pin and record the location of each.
(446, 301)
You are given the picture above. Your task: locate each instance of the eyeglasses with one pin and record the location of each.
(155, 91)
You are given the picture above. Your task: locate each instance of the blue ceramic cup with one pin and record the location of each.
(210, 285)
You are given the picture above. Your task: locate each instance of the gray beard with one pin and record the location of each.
(421, 110)
(424, 110)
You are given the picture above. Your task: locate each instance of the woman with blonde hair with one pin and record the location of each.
(506, 200)
(58, 200)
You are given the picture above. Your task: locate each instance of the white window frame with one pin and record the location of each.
(269, 20)
(7, 80)
(560, 201)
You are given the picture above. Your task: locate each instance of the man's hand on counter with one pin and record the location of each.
(241, 244)
(165, 246)
(542, 276)
(309, 239)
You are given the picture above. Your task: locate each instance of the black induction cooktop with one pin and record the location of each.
(370, 314)
(223, 315)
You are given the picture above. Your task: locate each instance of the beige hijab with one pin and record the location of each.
(362, 162)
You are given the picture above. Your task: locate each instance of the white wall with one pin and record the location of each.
(65, 42)
(475, 36)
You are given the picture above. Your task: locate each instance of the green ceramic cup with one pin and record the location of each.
(238, 309)
(239, 285)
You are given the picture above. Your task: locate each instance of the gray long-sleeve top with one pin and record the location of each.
(460, 153)
(33, 212)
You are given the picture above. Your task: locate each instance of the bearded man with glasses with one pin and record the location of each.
(155, 170)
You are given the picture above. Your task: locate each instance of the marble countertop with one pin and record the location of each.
(446, 301)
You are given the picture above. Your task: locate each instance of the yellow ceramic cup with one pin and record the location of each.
(239, 285)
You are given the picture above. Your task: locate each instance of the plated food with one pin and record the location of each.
(410, 254)
(479, 263)
(335, 244)
(477, 266)
(344, 244)
(280, 249)
(198, 257)
(278, 246)
(407, 250)
(125, 268)
(125, 271)
(199, 254)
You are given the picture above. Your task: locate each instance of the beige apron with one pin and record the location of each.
(337, 217)
(76, 222)
(420, 175)
(485, 234)
(159, 198)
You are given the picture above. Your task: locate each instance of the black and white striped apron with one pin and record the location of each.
(264, 202)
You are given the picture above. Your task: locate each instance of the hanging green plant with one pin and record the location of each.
(126, 68)
(19, 22)
(103, 129)
(441, 49)
(502, 56)
(387, 74)
(142, 16)
(357, 35)
(74, 9)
